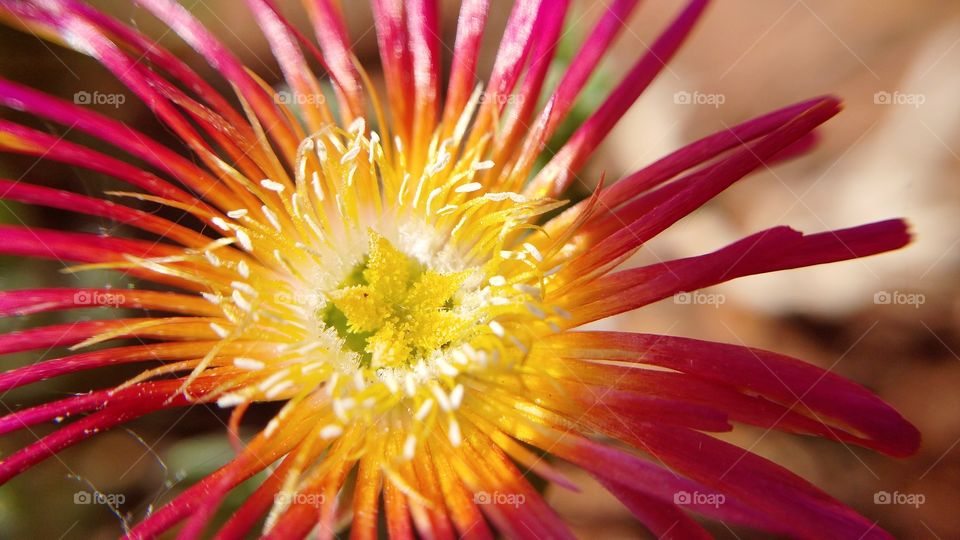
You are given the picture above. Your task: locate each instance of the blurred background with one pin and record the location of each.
(890, 322)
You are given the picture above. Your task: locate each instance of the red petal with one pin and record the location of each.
(181, 21)
(64, 335)
(768, 251)
(585, 62)
(65, 200)
(701, 151)
(666, 521)
(795, 384)
(34, 143)
(27, 301)
(424, 45)
(113, 356)
(657, 210)
(115, 408)
(395, 56)
(331, 32)
(116, 133)
(783, 497)
(558, 173)
(466, 48)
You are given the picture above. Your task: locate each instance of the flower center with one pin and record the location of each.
(394, 311)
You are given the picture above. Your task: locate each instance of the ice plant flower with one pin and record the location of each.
(395, 271)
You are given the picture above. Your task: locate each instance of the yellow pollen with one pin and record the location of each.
(400, 311)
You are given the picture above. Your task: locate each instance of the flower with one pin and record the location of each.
(404, 281)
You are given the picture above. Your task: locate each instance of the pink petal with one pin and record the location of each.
(331, 32)
(181, 21)
(116, 133)
(470, 25)
(812, 391)
(34, 143)
(701, 151)
(65, 200)
(116, 408)
(768, 251)
(558, 173)
(783, 497)
(424, 34)
(27, 301)
(666, 521)
(64, 335)
(392, 38)
(546, 37)
(656, 211)
(47, 369)
(296, 72)
(586, 61)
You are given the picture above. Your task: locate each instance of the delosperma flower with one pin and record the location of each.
(394, 268)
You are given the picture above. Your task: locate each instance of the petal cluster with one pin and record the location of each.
(396, 267)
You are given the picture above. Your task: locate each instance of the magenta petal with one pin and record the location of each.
(50, 147)
(228, 476)
(666, 521)
(586, 61)
(78, 247)
(116, 133)
(557, 174)
(656, 211)
(331, 32)
(693, 389)
(393, 41)
(466, 48)
(285, 49)
(180, 20)
(65, 335)
(797, 505)
(24, 302)
(809, 390)
(699, 152)
(65, 200)
(114, 408)
(423, 26)
(47, 369)
(149, 49)
(514, 48)
(767, 251)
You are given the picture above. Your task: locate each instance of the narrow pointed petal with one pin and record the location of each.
(186, 25)
(65, 200)
(423, 26)
(767, 251)
(466, 49)
(65, 335)
(808, 389)
(27, 301)
(331, 32)
(658, 210)
(558, 173)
